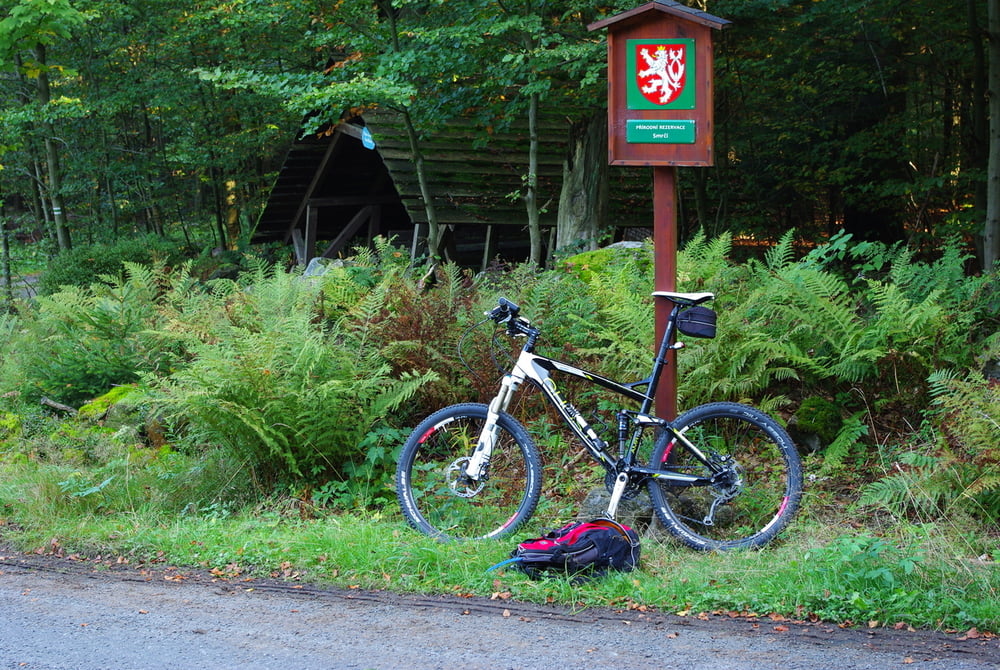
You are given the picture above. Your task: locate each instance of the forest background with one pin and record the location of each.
(222, 410)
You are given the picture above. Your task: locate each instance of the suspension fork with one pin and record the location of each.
(480, 459)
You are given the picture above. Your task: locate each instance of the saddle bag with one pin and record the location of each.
(697, 321)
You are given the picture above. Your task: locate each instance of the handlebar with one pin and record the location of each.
(509, 313)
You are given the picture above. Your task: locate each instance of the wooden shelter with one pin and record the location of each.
(339, 188)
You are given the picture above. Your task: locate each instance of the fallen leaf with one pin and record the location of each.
(506, 613)
(781, 628)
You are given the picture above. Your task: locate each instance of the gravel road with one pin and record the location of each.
(60, 614)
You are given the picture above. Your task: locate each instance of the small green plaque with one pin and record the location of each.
(659, 132)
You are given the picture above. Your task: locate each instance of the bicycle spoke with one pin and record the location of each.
(757, 479)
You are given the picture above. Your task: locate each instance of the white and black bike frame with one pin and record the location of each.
(538, 370)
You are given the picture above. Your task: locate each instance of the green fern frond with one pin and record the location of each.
(851, 432)
(782, 254)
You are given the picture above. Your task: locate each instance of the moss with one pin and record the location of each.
(100, 405)
(821, 417)
(10, 427)
(589, 263)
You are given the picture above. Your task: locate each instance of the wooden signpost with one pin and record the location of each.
(660, 114)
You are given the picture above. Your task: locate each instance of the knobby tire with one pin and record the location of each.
(437, 504)
(748, 514)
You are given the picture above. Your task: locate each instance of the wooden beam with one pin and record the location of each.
(348, 232)
(320, 169)
(353, 200)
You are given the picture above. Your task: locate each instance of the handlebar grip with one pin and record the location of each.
(505, 311)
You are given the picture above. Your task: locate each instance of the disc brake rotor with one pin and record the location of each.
(460, 483)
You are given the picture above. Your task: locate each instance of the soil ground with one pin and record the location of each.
(80, 614)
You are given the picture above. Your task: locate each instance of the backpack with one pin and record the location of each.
(579, 549)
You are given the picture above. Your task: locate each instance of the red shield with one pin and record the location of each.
(661, 71)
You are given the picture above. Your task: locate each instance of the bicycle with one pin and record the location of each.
(720, 476)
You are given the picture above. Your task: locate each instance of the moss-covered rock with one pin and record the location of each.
(816, 423)
(98, 407)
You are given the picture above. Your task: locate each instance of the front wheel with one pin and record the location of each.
(439, 500)
(755, 470)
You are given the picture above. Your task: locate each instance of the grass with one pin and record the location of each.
(919, 575)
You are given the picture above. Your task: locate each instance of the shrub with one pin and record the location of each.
(83, 265)
(79, 342)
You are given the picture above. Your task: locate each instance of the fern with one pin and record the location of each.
(851, 432)
(286, 392)
(782, 254)
(932, 486)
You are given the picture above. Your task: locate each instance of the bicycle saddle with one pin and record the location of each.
(684, 298)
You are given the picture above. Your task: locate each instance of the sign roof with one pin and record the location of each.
(671, 7)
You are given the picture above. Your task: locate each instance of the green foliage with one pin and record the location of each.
(868, 578)
(289, 395)
(78, 343)
(848, 437)
(820, 416)
(969, 414)
(86, 264)
(31, 22)
(958, 471)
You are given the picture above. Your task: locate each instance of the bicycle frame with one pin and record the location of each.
(537, 369)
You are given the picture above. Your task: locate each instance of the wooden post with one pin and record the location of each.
(660, 115)
(665, 276)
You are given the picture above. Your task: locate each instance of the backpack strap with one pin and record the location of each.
(626, 532)
(503, 563)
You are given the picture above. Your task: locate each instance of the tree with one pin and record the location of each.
(991, 232)
(26, 33)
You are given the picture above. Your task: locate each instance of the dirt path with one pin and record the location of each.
(80, 615)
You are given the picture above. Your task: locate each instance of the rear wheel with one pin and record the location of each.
(438, 499)
(757, 478)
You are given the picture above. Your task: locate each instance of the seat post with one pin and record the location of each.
(661, 361)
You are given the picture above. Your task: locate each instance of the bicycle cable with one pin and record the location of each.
(461, 342)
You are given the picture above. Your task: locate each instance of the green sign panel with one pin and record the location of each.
(660, 74)
(660, 132)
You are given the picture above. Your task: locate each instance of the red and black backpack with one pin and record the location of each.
(580, 548)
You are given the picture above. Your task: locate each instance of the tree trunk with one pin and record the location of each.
(583, 200)
(8, 292)
(52, 158)
(531, 184)
(991, 233)
(433, 228)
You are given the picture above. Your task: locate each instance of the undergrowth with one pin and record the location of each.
(251, 425)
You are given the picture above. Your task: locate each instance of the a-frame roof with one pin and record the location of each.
(472, 173)
(671, 7)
